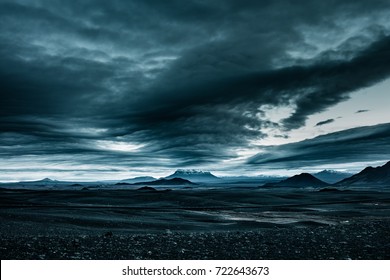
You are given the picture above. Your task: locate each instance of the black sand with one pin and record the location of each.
(195, 224)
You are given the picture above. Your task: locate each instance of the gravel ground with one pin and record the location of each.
(362, 240)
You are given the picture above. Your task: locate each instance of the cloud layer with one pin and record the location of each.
(174, 84)
(357, 145)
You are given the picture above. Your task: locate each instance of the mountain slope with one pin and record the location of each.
(370, 176)
(138, 179)
(331, 176)
(301, 180)
(197, 176)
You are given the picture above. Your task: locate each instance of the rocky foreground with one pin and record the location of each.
(364, 240)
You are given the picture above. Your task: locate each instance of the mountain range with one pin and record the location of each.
(301, 180)
(138, 179)
(162, 181)
(331, 176)
(370, 176)
(196, 176)
(168, 182)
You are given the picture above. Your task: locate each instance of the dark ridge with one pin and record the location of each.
(330, 190)
(301, 180)
(331, 177)
(163, 181)
(138, 179)
(146, 188)
(369, 176)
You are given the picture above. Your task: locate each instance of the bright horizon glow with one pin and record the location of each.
(88, 176)
(375, 99)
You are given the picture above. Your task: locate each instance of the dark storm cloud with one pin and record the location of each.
(324, 122)
(311, 89)
(370, 143)
(187, 80)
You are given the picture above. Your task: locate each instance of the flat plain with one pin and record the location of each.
(224, 222)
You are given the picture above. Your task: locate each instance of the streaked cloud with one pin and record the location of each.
(362, 144)
(325, 122)
(361, 111)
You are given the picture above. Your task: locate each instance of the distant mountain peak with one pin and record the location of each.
(47, 180)
(304, 178)
(193, 175)
(383, 168)
(138, 179)
(370, 176)
(192, 172)
(330, 171)
(331, 176)
(303, 175)
(300, 180)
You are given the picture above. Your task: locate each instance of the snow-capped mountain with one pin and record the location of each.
(331, 176)
(192, 175)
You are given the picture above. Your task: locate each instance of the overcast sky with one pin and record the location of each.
(97, 89)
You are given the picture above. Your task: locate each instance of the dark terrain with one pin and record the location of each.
(208, 223)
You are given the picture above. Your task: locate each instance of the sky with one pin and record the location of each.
(97, 89)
